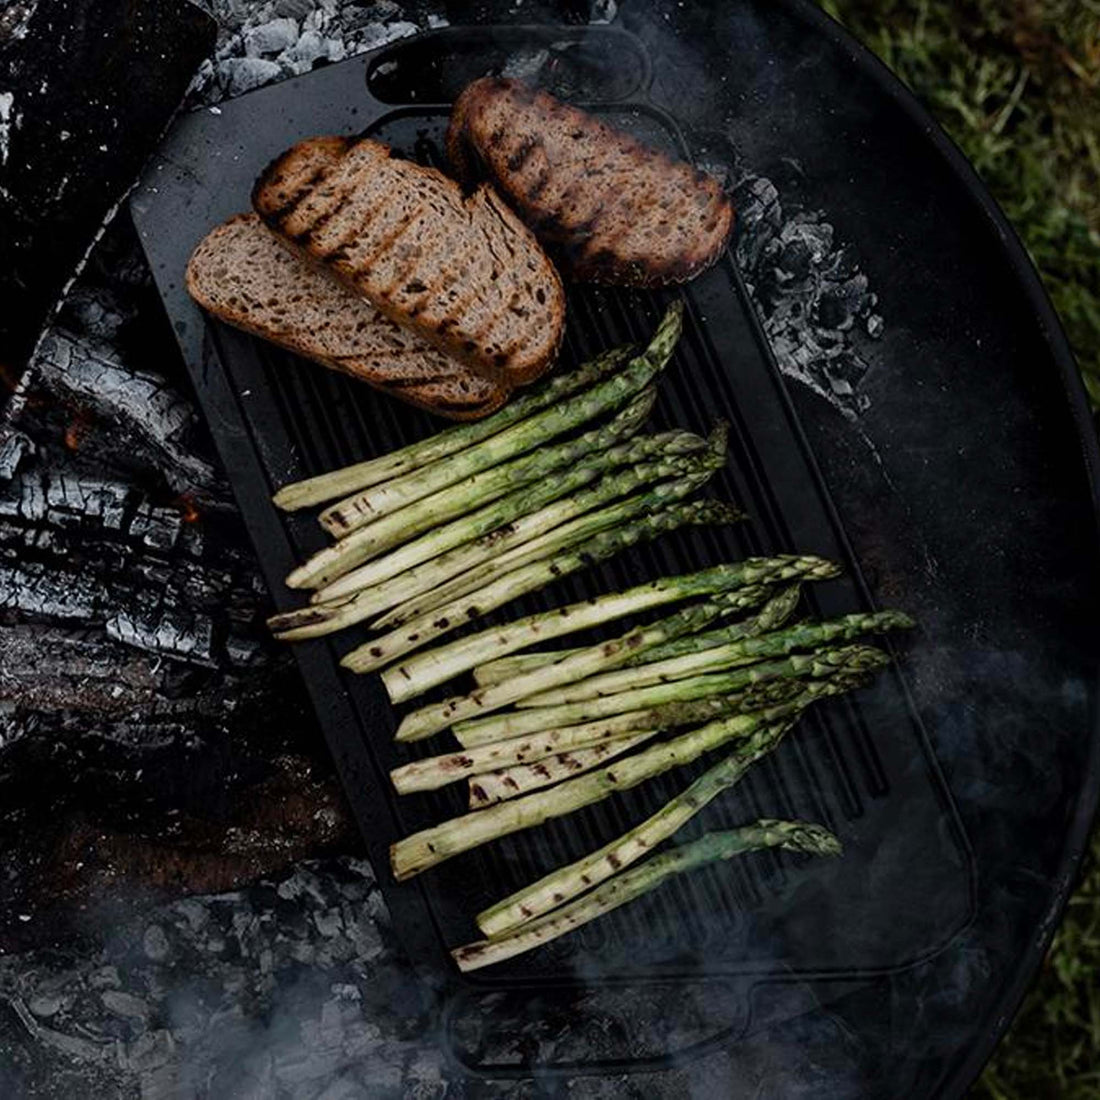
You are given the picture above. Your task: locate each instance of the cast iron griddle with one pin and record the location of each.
(906, 893)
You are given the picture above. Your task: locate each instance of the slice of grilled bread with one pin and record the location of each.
(242, 273)
(609, 209)
(462, 271)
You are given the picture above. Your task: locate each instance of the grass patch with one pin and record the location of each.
(1016, 83)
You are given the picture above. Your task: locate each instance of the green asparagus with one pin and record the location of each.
(710, 848)
(372, 504)
(437, 771)
(445, 662)
(718, 658)
(695, 474)
(481, 488)
(429, 847)
(772, 615)
(383, 651)
(420, 565)
(611, 654)
(500, 727)
(521, 779)
(337, 483)
(566, 883)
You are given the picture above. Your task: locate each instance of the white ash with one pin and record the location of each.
(7, 102)
(262, 42)
(284, 988)
(815, 303)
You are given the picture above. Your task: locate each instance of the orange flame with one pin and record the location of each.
(185, 502)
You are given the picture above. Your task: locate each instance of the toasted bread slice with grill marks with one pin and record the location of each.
(462, 271)
(242, 273)
(609, 208)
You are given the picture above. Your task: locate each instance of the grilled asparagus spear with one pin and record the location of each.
(795, 836)
(434, 624)
(465, 496)
(337, 483)
(429, 847)
(372, 504)
(445, 662)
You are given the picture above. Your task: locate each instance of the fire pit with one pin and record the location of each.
(187, 760)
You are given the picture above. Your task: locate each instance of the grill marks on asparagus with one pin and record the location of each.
(522, 510)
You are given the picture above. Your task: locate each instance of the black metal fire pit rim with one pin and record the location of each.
(1084, 817)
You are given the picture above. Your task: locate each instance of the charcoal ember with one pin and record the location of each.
(147, 414)
(271, 38)
(177, 1019)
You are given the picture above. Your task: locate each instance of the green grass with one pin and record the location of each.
(1016, 83)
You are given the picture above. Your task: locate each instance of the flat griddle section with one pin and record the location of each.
(861, 766)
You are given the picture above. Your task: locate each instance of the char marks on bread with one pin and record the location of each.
(609, 208)
(460, 270)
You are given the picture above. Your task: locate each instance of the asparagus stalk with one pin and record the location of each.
(434, 772)
(501, 727)
(719, 658)
(418, 633)
(518, 517)
(372, 504)
(438, 716)
(447, 661)
(774, 613)
(507, 783)
(794, 836)
(496, 529)
(464, 497)
(561, 538)
(566, 883)
(429, 847)
(337, 483)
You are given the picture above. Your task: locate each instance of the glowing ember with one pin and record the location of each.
(185, 502)
(77, 430)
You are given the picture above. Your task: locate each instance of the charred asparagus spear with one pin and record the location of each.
(464, 497)
(562, 885)
(443, 663)
(521, 779)
(500, 727)
(372, 504)
(711, 848)
(698, 658)
(437, 771)
(438, 622)
(429, 847)
(772, 615)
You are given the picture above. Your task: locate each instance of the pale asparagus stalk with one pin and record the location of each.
(566, 883)
(372, 504)
(718, 658)
(445, 662)
(338, 483)
(507, 783)
(611, 654)
(795, 836)
(347, 608)
(774, 613)
(411, 636)
(434, 772)
(501, 727)
(531, 510)
(567, 535)
(429, 847)
(465, 497)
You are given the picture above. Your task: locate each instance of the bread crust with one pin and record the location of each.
(608, 208)
(242, 274)
(461, 270)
